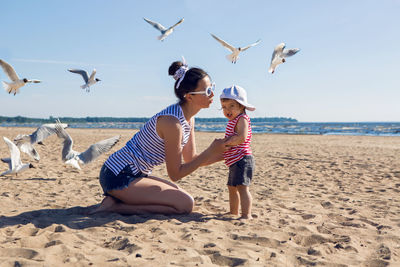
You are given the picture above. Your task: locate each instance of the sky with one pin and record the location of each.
(347, 69)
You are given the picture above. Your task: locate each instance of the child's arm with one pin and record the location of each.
(241, 130)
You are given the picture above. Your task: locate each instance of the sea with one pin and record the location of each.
(306, 128)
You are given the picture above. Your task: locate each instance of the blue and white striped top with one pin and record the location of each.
(146, 149)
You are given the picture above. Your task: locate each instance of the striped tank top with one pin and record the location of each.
(236, 153)
(146, 149)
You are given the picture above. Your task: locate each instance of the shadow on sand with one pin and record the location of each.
(78, 218)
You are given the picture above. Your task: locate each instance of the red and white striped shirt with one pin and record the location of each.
(236, 153)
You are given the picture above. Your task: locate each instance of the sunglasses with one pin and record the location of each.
(207, 92)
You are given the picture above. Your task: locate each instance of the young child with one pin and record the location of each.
(239, 157)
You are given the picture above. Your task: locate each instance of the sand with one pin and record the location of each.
(318, 201)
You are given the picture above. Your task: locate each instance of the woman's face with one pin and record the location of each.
(203, 100)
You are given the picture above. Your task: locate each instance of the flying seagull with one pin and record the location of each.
(71, 157)
(164, 31)
(25, 142)
(235, 51)
(279, 55)
(14, 161)
(13, 87)
(89, 81)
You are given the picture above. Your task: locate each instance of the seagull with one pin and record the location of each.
(16, 83)
(279, 55)
(14, 161)
(25, 142)
(235, 51)
(89, 81)
(164, 31)
(71, 157)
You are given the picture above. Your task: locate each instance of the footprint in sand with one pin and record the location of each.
(218, 259)
(272, 243)
(18, 253)
(120, 243)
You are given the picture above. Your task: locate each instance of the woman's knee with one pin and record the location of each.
(185, 204)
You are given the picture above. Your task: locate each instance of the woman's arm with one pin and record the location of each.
(189, 150)
(169, 129)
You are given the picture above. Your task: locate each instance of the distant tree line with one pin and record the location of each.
(51, 119)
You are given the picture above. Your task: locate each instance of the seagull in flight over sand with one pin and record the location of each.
(89, 81)
(235, 51)
(279, 55)
(14, 161)
(16, 83)
(25, 142)
(164, 31)
(71, 157)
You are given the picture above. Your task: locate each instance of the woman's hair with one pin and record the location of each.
(189, 82)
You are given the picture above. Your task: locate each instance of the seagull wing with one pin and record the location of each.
(84, 74)
(91, 78)
(15, 155)
(290, 52)
(29, 149)
(247, 47)
(277, 51)
(156, 25)
(9, 70)
(8, 161)
(176, 24)
(34, 81)
(42, 133)
(225, 44)
(68, 142)
(97, 149)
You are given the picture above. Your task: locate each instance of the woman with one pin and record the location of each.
(167, 137)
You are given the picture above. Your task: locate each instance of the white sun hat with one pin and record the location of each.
(237, 93)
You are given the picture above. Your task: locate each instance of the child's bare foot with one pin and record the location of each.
(246, 217)
(105, 205)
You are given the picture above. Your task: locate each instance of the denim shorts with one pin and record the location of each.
(110, 181)
(241, 172)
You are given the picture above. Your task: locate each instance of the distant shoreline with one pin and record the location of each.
(51, 119)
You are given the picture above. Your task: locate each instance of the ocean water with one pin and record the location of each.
(314, 128)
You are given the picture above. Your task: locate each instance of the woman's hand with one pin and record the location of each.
(218, 146)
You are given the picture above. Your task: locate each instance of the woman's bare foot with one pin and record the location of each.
(105, 205)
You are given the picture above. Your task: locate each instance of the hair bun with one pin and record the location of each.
(174, 67)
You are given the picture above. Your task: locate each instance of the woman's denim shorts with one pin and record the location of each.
(110, 181)
(241, 172)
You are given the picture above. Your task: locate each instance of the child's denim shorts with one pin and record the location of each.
(241, 172)
(110, 181)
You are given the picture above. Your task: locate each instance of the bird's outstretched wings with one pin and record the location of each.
(9, 70)
(176, 24)
(84, 74)
(95, 150)
(156, 25)
(290, 52)
(225, 44)
(277, 51)
(68, 142)
(91, 78)
(15, 155)
(254, 44)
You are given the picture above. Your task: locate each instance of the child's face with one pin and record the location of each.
(231, 108)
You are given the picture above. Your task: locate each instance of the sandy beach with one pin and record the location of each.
(317, 201)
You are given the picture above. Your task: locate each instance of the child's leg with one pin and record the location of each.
(245, 201)
(233, 200)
